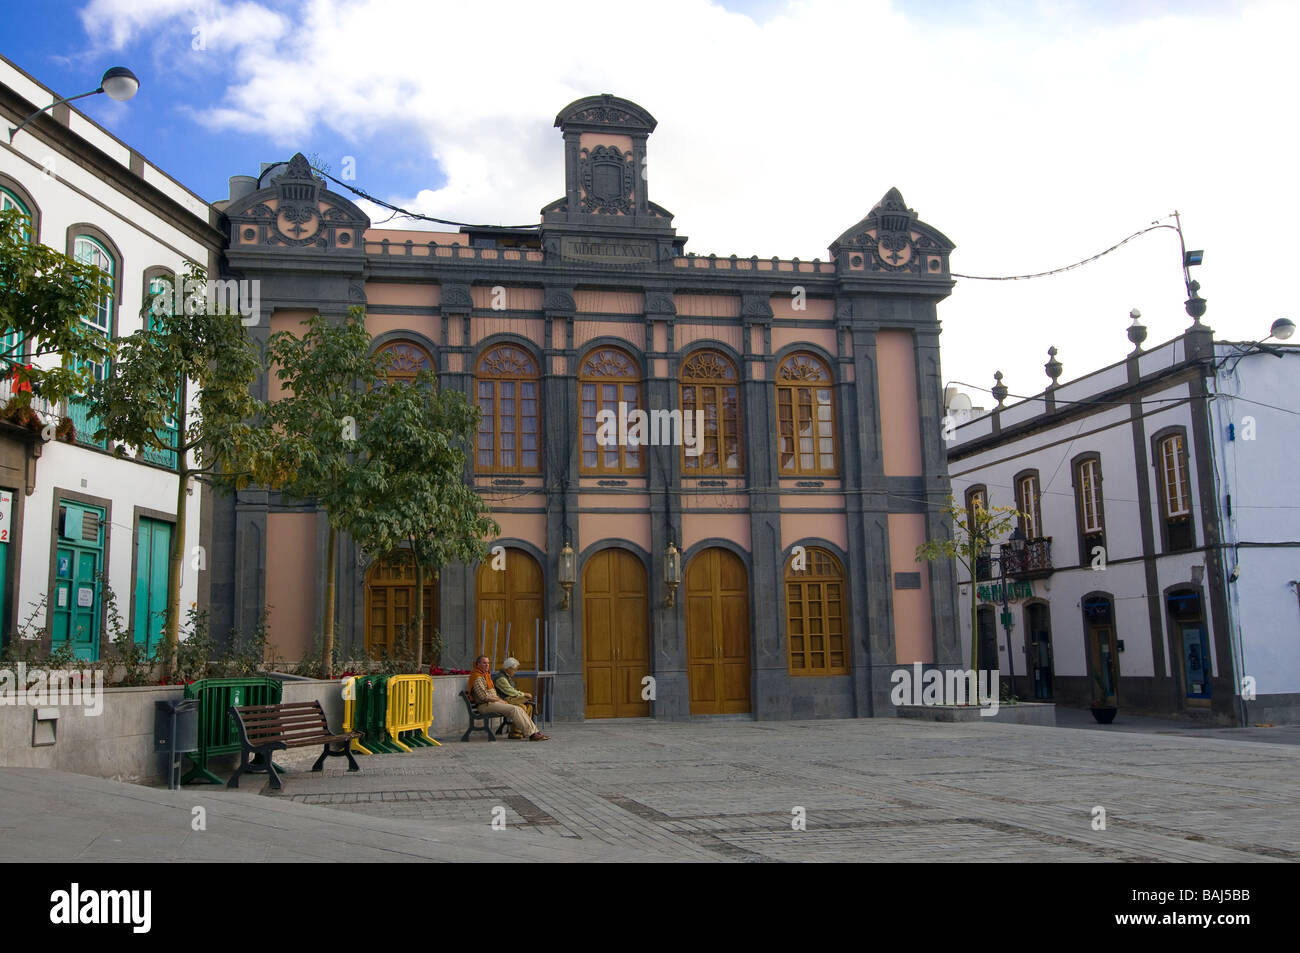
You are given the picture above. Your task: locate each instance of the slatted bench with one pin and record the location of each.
(264, 729)
(477, 716)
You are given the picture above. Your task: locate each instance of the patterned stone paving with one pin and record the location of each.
(871, 789)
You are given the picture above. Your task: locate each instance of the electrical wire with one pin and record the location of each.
(1078, 264)
(398, 210)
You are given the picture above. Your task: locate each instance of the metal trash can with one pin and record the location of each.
(175, 732)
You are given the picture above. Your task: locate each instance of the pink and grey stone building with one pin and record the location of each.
(821, 469)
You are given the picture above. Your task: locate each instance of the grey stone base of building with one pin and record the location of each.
(1279, 709)
(1024, 713)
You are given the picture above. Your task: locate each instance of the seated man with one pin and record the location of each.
(510, 693)
(480, 689)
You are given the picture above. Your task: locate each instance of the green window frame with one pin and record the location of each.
(13, 347)
(90, 251)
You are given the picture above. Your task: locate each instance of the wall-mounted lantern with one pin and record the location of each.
(672, 574)
(567, 573)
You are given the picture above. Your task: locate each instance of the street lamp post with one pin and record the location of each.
(1010, 551)
(118, 81)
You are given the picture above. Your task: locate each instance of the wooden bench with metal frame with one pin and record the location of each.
(485, 717)
(265, 729)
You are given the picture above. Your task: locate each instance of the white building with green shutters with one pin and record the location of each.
(75, 512)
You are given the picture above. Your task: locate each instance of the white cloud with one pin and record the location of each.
(1033, 136)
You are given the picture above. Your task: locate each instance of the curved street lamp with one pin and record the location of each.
(1281, 329)
(118, 82)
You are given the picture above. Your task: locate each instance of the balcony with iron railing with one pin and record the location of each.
(70, 418)
(1032, 559)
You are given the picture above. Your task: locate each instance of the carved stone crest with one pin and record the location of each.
(608, 180)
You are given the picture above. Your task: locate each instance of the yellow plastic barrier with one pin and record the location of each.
(410, 711)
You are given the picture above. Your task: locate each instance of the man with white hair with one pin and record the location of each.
(510, 693)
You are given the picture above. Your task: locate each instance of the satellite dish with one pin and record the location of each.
(959, 402)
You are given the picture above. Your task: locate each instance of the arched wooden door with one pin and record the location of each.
(615, 634)
(717, 633)
(509, 601)
(390, 608)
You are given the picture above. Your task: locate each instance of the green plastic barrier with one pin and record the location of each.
(217, 732)
(371, 713)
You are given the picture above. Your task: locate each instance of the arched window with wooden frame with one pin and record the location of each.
(508, 392)
(805, 416)
(977, 502)
(709, 384)
(402, 360)
(815, 628)
(390, 608)
(608, 377)
(1029, 503)
(1089, 508)
(1175, 490)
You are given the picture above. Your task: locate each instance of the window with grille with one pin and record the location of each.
(814, 598)
(709, 383)
(606, 378)
(508, 393)
(805, 417)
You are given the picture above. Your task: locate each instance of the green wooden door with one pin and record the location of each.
(79, 560)
(152, 555)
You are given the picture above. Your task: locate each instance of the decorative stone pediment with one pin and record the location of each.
(892, 240)
(560, 301)
(659, 302)
(605, 112)
(297, 210)
(456, 298)
(754, 306)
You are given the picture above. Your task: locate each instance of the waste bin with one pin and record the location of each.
(175, 732)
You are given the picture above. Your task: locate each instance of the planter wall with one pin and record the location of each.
(118, 743)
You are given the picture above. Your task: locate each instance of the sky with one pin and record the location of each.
(1032, 134)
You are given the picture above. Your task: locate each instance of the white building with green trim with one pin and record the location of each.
(76, 513)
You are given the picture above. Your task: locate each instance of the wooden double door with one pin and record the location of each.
(717, 633)
(509, 611)
(615, 635)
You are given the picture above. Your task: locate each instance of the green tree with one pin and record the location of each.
(417, 498)
(180, 392)
(331, 385)
(974, 531)
(43, 296)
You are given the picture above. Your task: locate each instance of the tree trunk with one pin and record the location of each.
(176, 556)
(419, 615)
(327, 623)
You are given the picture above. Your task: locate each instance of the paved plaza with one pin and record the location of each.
(880, 789)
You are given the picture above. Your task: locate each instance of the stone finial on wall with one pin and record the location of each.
(999, 389)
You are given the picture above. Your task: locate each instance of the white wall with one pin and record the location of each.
(1257, 471)
(66, 193)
